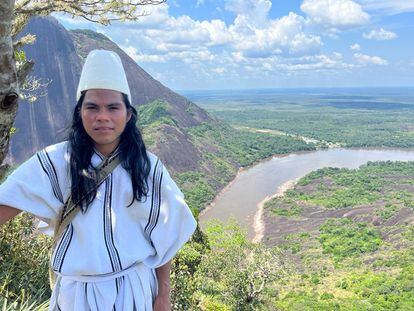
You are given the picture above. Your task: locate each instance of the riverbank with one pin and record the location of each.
(259, 225)
(243, 198)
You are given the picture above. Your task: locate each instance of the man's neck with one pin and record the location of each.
(106, 150)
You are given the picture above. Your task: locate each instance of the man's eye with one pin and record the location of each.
(113, 108)
(90, 107)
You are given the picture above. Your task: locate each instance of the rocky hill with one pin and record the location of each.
(44, 122)
(59, 55)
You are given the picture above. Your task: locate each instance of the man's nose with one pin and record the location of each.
(102, 115)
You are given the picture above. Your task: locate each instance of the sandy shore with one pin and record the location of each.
(259, 224)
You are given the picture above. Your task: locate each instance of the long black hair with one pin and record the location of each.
(134, 158)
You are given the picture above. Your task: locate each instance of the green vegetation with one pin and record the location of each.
(338, 188)
(23, 262)
(92, 34)
(245, 147)
(353, 121)
(285, 206)
(155, 113)
(344, 238)
(198, 191)
(361, 261)
(236, 274)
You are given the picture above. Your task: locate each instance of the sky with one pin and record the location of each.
(250, 44)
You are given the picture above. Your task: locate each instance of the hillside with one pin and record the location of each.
(348, 235)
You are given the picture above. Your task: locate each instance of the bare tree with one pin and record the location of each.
(14, 69)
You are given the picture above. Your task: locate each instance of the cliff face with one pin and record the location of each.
(59, 55)
(44, 122)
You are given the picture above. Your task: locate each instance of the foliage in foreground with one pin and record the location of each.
(236, 274)
(23, 261)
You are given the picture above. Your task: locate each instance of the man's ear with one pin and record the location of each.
(129, 114)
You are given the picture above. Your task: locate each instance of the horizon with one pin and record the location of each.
(244, 44)
(299, 88)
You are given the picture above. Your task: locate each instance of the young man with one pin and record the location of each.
(115, 253)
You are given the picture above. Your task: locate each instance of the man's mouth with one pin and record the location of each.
(103, 128)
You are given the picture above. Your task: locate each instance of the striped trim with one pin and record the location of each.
(108, 234)
(156, 200)
(113, 154)
(50, 171)
(62, 248)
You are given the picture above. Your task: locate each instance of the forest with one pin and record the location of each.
(374, 120)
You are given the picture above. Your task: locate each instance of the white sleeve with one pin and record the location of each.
(171, 222)
(33, 187)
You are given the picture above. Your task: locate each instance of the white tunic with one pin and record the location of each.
(106, 257)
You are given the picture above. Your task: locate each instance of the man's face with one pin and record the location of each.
(104, 116)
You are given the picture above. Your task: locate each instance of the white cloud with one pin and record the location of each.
(156, 15)
(366, 59)
(218, 32)
(319, 62)
(304, 44)
(256, 10)
(355, 47)
(281, 36)
(337, 13)
(136, 56)
(388, 7)
(380, 34)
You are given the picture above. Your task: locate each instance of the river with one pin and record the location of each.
(240, 199)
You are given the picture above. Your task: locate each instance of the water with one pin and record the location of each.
(241, 198)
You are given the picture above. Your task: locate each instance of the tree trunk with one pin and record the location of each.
(9, 88)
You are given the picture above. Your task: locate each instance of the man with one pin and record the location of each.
(115, 253)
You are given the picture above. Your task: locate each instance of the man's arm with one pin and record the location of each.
(162, 302)
(7, 213)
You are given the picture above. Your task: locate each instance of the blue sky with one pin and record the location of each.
(241, 44)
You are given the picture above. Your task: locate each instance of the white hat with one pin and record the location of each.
(103, 70)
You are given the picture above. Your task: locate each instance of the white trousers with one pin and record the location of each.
(132, 289)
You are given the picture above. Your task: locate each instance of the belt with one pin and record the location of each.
(103, 277)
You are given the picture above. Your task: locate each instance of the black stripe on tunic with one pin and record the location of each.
(49, 169)
(108, 234)
(155, 201)
(158, 204)
(62, 248)
(110, 223)
(66, 248)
